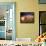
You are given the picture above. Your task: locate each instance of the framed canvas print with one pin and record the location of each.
(42, 1)
(26, 17)
(7, 20)
(42, 22)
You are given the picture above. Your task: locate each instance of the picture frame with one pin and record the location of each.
(42, 1)
(26, 17)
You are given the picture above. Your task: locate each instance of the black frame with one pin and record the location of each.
(39, 20)
(26, 13)
(41, 2)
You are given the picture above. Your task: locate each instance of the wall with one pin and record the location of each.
(27, 30)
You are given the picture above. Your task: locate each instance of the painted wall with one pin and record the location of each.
(27, 30)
